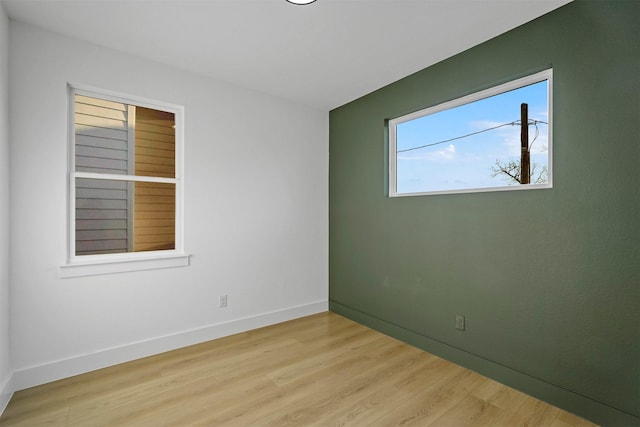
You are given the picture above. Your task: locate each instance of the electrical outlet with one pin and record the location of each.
(459, 322)
(223, 301)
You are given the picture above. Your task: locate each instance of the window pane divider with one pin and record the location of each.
(119, 177)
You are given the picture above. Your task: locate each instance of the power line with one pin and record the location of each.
(537, 134)
(514, 123)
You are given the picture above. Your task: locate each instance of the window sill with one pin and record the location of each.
(80, 269)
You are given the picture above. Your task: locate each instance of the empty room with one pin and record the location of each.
(319, 212)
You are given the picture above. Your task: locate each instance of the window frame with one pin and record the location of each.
(84, 265)
(392, 169)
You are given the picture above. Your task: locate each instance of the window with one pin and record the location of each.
(496, 139)
(125, 183)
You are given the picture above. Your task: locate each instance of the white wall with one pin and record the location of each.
(5, 361)
(256, 221)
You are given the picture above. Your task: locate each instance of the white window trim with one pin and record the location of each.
(87, 265)
(496, 90)
(150, 262)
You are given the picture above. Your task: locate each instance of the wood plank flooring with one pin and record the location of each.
(321, 370)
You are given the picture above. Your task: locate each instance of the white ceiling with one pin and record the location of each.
(322, 55)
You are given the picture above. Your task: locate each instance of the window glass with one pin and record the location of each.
(493, 140)
(124, 177)
(114, 216)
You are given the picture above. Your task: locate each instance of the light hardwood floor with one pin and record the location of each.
(321, 370)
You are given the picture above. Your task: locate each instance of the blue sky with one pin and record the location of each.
(467, 162)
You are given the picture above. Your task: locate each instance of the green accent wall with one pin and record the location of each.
(548, 280)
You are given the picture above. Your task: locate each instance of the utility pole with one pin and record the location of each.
(524, 144)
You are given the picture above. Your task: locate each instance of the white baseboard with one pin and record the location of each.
(52, 371)
(6, 392)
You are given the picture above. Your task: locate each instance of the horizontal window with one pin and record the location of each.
(496, 139)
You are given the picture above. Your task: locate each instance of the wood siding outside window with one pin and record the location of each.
(155, 203)
(123, 216)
